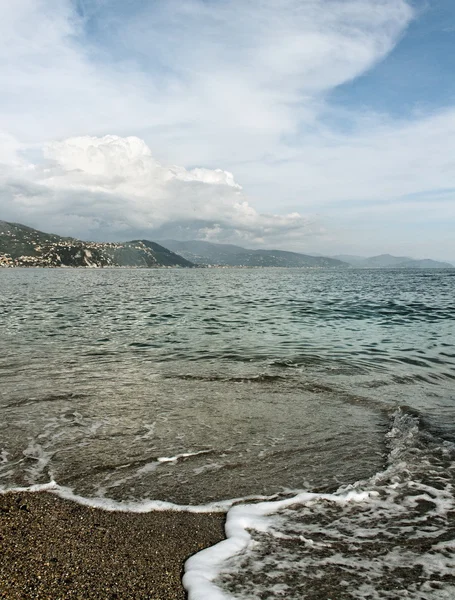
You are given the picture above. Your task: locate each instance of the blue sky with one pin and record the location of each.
(417, 75)
(314, 125)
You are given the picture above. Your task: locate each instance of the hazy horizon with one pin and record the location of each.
(163, 240)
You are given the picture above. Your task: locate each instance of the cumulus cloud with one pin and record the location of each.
(231, 91)
(113, 185)
(123, 164)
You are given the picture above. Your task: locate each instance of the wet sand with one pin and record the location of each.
(55, 549)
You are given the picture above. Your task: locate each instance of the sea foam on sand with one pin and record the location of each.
(203, 568)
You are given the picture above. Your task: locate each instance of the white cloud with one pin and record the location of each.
(232, 91)
(200, 81)
(116, 183)
(381, 161)
(125, 165)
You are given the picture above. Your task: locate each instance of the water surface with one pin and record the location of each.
(195, 386)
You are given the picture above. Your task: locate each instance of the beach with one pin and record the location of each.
(310, 418)
(53, 548)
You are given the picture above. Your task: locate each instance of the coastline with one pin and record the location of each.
(56, 548)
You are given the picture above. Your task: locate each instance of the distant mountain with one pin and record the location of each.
(351, 259)
(424, 263)
(143, 253)
(208, 253)
(387, 261)
(22, 246)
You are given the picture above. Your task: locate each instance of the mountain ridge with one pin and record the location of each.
(23, 246)
(210, 253)
(389, 261)
(230, 255)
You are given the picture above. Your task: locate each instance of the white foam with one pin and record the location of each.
(203, 568)
(365, 533)
(140, 506)
(174, 459)
(146, 469)
(41, 457)
(311, 534)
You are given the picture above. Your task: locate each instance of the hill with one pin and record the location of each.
(208, 253)
(388, 261)
(22, 246)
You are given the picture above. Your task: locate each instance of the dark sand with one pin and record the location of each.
(52, 548)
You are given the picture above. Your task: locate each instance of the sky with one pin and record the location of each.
(319, 126)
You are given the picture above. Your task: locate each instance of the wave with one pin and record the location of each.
(262, 378)
(141, 506)
(387, 537)
(388, 311)
(41, 399)
(381, 538)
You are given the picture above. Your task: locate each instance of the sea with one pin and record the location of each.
(315, 406)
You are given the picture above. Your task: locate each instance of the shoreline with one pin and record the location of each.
(56, 548)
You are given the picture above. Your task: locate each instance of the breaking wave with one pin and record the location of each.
(390, 536)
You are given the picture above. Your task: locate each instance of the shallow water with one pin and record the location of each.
(198, 386)
(391, 536)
